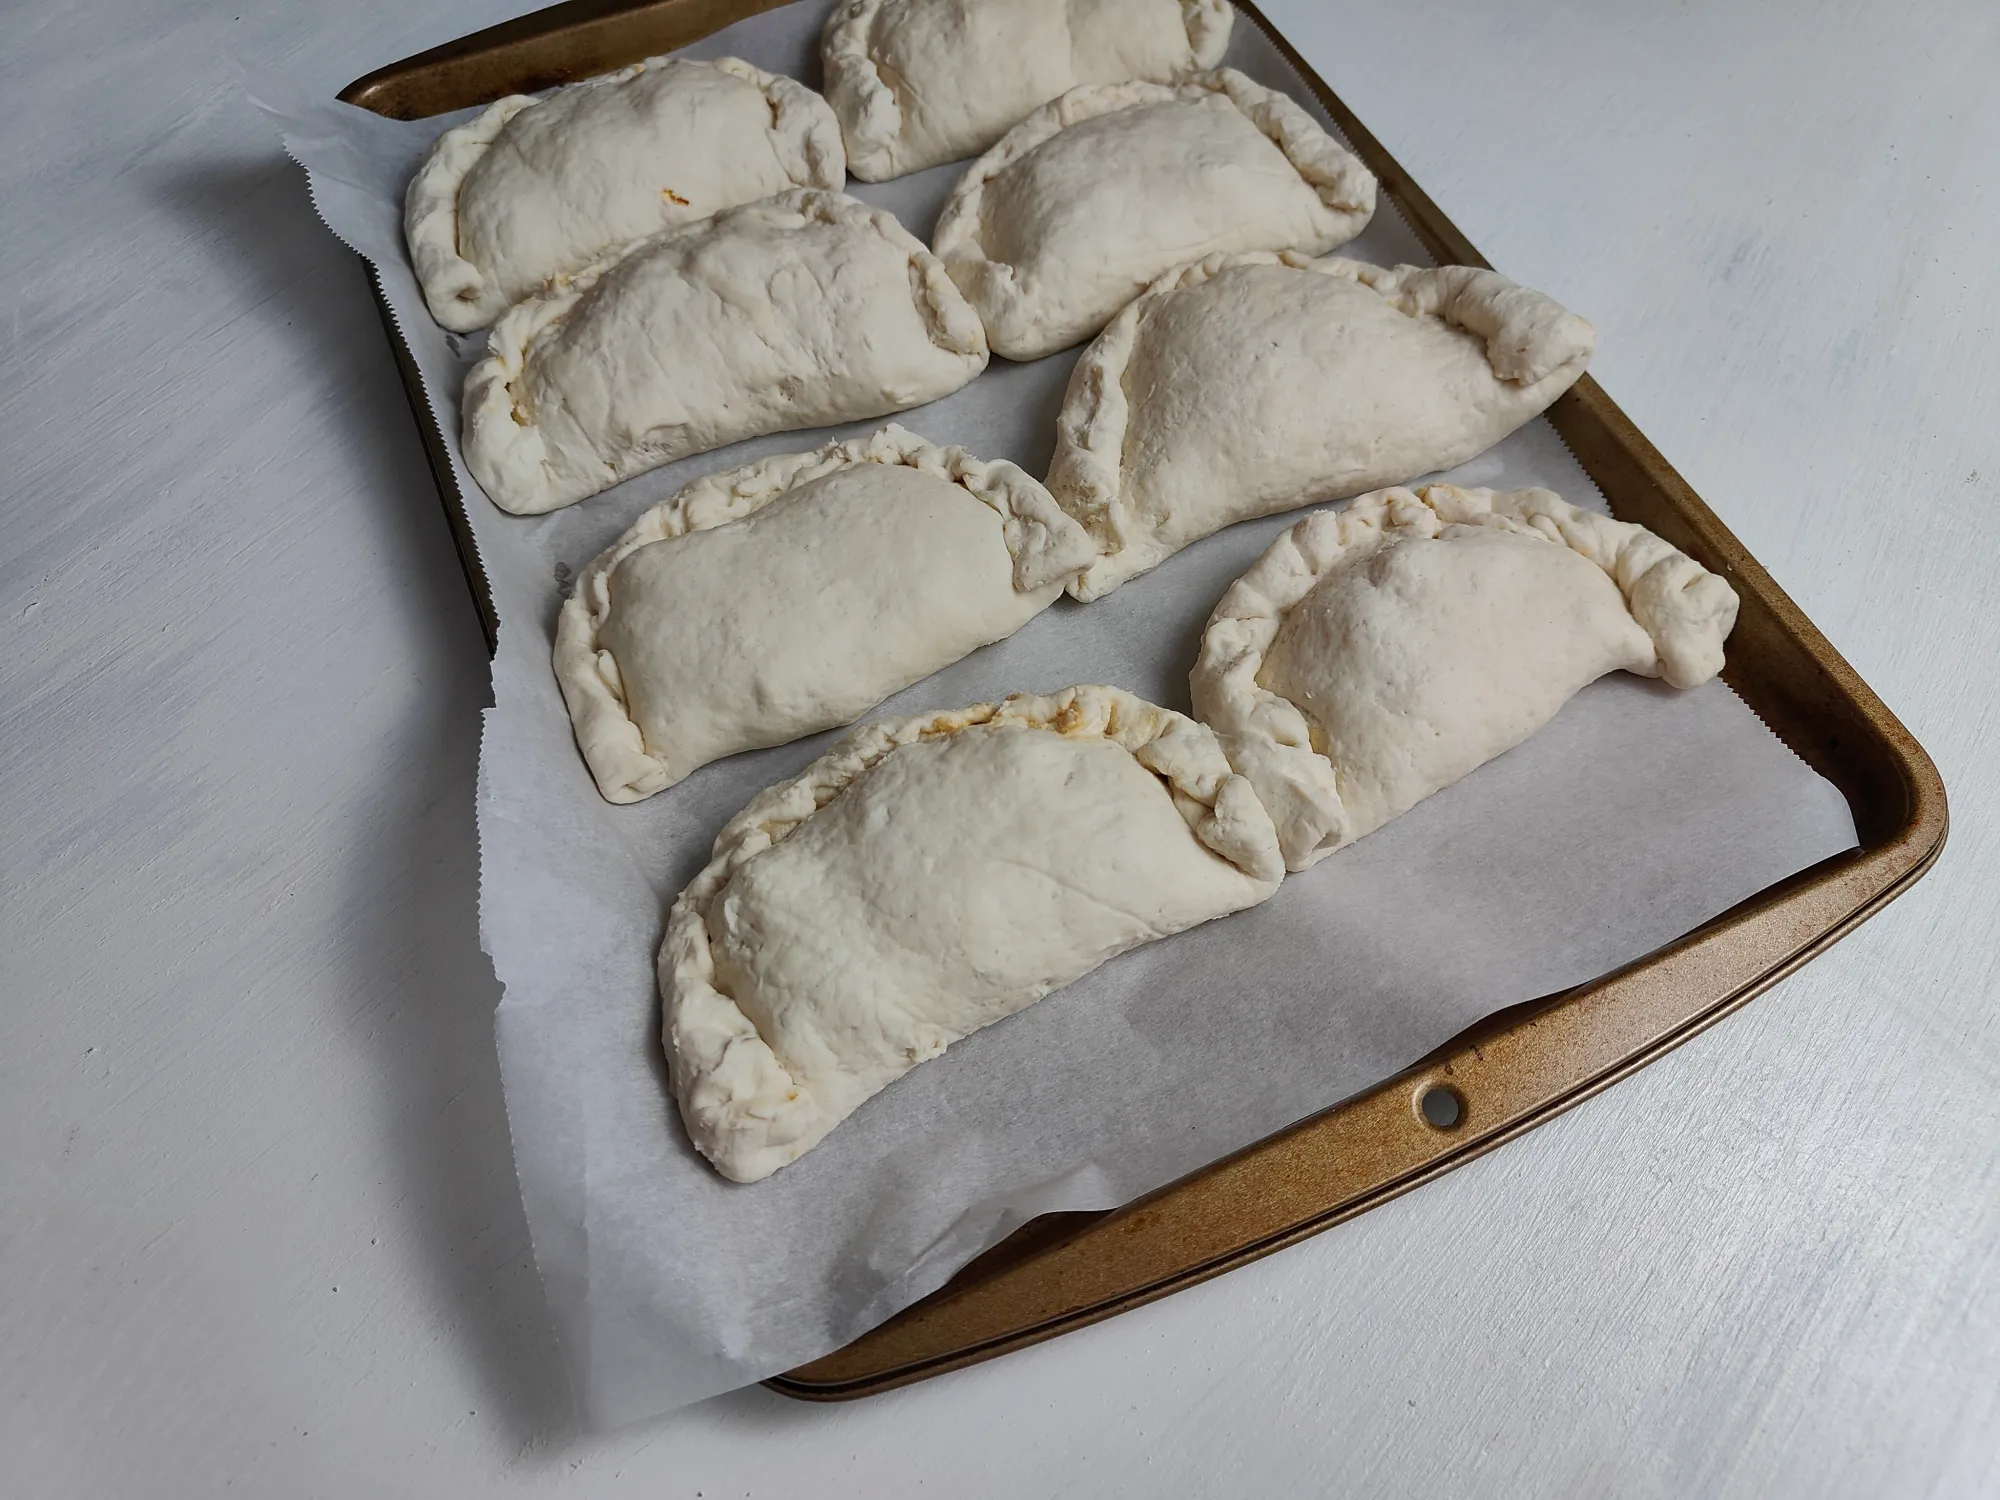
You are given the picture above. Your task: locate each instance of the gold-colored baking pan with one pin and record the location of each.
(1504, 1076)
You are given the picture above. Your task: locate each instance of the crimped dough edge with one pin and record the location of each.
(1686, 610)
(743, 1110)
(461, 297)
(1529, 337)
(1208, 23)
(509, 457)
(1046, 545)
(1344, 186)
(871, 116)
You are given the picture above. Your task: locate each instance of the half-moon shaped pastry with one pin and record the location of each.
(1093, 196)
(1378, 653)
(928, 877)
(536, 188)
(1245, 385)
(773, 601)
(801, 311)
(918, 82)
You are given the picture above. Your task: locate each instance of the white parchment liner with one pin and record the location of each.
(1638, 814)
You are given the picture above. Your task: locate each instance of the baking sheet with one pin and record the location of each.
(1637, 815)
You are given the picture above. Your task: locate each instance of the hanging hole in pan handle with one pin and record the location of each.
(1440, 1106)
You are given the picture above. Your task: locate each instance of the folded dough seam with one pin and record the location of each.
(1495, 690)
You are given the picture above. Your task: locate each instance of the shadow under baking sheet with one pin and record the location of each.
(411, 927)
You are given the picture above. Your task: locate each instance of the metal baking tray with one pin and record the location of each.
(1506, 1075)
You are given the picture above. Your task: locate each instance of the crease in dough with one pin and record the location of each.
(534, 188)
(803, 310)
(1096, 194)
(919, 82)
(793, 594)
(1377, 653)
(927, 877)
(1245, 385)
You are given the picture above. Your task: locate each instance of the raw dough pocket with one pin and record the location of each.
(796, 593)
(1244, 385)
(1378, 653)
(928, 877)
(918, 82)
(804, 310)
(538, 188)
(1093, 196)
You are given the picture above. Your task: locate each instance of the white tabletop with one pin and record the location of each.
(258, 1225)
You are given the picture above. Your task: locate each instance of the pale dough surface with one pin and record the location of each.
(537, 188)
(1758, 1270)
(1244, 385)
(919, 82)
(1376, 654)
(806, 309)
(928, 877)
(794, 594)
(1093, 196)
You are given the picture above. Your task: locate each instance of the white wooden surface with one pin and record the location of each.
(258, 1229)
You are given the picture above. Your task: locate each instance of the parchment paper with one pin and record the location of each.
(1638, 814)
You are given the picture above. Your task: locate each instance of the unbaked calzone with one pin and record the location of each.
(918, 82)
(803, 310)
(1092, 196)
(1378, 653)
(928, 877)
(795, 593)
(534, 188)
(1244, 385)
